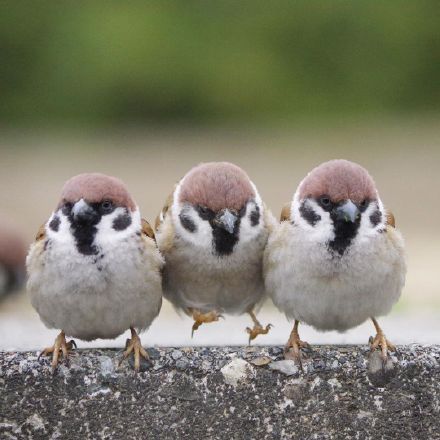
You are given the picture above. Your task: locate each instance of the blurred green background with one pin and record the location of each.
(227, 61)
(146, 90)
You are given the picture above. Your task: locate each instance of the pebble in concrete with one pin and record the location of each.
(237, 371)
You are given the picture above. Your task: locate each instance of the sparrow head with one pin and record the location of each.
(337, 202)
(94, 208)
(216, 206)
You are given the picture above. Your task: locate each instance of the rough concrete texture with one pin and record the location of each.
(224, 393)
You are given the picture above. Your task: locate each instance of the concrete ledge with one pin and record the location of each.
(227, 392)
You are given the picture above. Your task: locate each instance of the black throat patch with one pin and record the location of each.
(83, 233)
(344, 234)
(224, 242)
(84, 237)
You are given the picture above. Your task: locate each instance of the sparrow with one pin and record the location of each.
(12, 260)
(212, 232)
(94, 270)
(336, 258)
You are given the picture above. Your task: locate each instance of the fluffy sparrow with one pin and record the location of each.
(212, 233)
(336, 259)
(94, 269)
(12, 259)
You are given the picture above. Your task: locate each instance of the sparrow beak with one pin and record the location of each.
(348, 212)
(83, 213)
(226, 220)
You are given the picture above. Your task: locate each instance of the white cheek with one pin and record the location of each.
(247, 231)
(202, 236)
(322, 231)
(366, 228)
(106, 234)
(63, 234)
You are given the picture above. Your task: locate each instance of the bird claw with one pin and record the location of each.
(60, 346)
(292, 350)
(292, 354)
(257, 330)
(381, 341)
(134, 345)
(204, 318)
(195, 326)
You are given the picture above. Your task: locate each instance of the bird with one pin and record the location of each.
(12, 259)
(212, 232)
(335, 259)
(94, 270)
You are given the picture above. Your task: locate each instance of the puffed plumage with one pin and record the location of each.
(94, 269)
(212, 233)
(336, 259)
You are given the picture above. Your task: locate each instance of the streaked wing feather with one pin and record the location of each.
(390, 219)
(147, 229)
(285, 213)
(160, 218)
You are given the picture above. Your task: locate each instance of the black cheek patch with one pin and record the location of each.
(255, 216)
(55, 224)
(376, 217)
(187, 223)
(122, 221)
(309, 214)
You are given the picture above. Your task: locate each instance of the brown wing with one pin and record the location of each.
(285, 213)
(161, 216)
(147, 229)
(41, 234)
(390, 219)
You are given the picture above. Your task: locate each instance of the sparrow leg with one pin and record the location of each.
(60, 345)
(381, 341)
(257, 329)
(134, 345)
(202, 318)
(292, 350)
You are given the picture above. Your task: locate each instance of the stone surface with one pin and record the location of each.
(341, 392)
(237, 371)
(287, 367)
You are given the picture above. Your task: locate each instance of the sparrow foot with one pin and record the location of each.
(292, 350)
(257, 329)
(133, 345)
(381, 341)
(60, 346)
(203, 318)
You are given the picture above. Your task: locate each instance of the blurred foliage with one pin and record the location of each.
(118, 62)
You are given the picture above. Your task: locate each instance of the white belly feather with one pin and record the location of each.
(93, 297)
(332, 293)
(198, 279)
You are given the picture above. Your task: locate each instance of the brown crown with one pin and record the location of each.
(216, 185)
(339, 180)
(96, 187)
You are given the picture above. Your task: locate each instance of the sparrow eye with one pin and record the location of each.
(107, 206)
(325, 201)
(205, 213)
(67, 208)
(363, 205)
